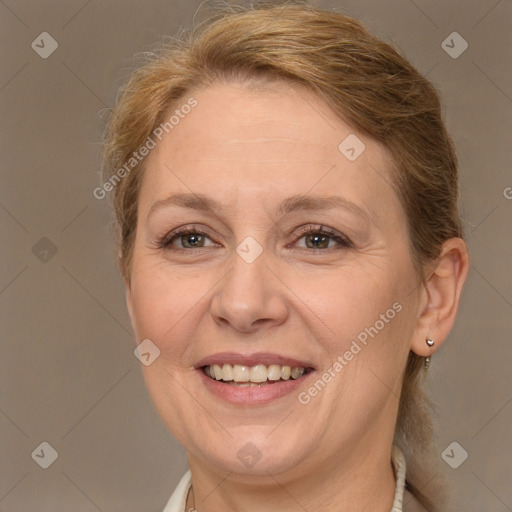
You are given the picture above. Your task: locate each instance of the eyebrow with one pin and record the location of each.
(291, 204)
(318, 203)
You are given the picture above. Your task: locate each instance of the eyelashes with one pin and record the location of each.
(167, 240)
(321, 234)
(196, 238)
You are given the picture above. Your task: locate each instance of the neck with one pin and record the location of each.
(363, 481)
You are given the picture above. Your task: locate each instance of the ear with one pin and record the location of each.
(440, 295)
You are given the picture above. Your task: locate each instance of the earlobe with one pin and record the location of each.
(442, 291)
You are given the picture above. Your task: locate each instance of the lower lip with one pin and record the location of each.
(252, 395)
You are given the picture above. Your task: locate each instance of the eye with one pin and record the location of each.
(187, 238)
(315, 237)
(321, 237)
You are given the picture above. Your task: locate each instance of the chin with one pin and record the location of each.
(255, 452)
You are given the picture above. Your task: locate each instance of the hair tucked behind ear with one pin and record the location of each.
(363, 79)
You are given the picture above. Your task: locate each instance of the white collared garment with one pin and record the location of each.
(178, 500)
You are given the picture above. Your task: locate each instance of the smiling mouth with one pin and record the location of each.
(241, 375)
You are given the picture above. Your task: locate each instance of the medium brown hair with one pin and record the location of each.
(363, 79)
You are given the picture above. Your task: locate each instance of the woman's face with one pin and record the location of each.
(247, 173)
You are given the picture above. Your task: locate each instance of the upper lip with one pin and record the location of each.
(265, 358)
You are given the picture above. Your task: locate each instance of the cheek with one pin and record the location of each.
(168, 306)
(346, 301)
(364, 324)
(363, 318)
(159, 304)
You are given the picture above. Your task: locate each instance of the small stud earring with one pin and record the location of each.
(430, 342)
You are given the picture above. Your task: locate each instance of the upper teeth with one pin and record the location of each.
(258, 373)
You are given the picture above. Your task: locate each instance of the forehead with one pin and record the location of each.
(233, 122)
(249, 145)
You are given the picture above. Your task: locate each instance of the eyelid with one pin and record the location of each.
(166, 240)
(337, 236)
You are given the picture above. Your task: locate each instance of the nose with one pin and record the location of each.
(249, 297)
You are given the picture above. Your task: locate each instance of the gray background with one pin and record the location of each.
(68, 375)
